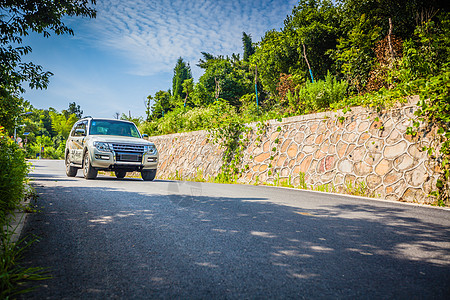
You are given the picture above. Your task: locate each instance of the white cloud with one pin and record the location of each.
(151, 35)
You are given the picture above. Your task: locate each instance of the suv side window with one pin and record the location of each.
(81, 125)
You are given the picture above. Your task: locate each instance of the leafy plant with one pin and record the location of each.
(13, 275)
(13, 171)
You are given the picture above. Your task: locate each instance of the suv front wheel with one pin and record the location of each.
(120, 174)
(88, 171)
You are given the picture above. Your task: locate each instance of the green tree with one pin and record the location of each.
(161, 104)
(275, 55)
(354, 54)
(74, 109)
(20, 17)
(222, 80)
(62, 124)
(313, 28)
(249, 48)
(181, 72)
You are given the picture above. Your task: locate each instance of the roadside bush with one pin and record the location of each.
(13, 172)
(317, 96)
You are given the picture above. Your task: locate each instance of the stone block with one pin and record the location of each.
(262, 168)
(313, 125)
(416, 152)
(281, 160)
(325, 145)
(375, 127)
(310, 140)
(274, 136)
(326, 164)
(339, 179)
(341, 148)
(349, 179)
(335, 137)
(285, 172)
(309, 149)
(319, 154)
(350, 148)
(351, 127)
(395, 150)
(300, 156)
(292, 150)
(403, 162)
(358, 154)
(299, 137)
(417, 176)
(372, 158)
(327, 177)
(373, 181)
(394, 137)
(383, 167)
(362, 169)
(262, 157)
(363, 126)
(305, 164)
(363, 138)
(349, 137)
(413, 195)
(391, 177)
(345, 166)
(374, 144)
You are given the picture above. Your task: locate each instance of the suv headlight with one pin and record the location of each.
(150, 149)
(101, 146)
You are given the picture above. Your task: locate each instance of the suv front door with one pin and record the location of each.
(76, 143)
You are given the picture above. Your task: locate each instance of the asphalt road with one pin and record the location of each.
(130, 239)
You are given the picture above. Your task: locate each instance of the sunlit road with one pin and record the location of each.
(130, 239)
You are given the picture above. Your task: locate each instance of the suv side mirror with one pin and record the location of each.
(145, 135)
(80, 131)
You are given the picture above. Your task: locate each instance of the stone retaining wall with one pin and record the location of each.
(326, 151)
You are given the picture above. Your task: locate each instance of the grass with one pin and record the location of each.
(14, 277)
(360, 189)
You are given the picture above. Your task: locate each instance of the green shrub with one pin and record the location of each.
(13, 172)
(317, 96)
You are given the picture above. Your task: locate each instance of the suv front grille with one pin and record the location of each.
(128, 148)
(128, 152)
(129, 157)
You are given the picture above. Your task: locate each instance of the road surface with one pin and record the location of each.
(130, 239)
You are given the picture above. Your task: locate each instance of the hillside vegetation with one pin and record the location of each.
(327, 56)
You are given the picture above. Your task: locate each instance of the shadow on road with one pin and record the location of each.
(148, 245)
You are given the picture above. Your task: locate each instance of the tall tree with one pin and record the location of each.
(249, 48)
(74, 109)
(181, 72)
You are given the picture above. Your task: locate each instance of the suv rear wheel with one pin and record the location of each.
(70, 171)
(148, 175)
(88, 171)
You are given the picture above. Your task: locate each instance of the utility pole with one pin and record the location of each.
(256, 87)
(307, 62)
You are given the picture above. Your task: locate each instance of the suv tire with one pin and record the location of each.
(120, 174)
(148, 175)
(70, 171)
(88, 171)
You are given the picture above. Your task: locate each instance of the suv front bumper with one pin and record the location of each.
(121, 160)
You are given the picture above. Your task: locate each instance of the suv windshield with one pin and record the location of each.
(110, 127)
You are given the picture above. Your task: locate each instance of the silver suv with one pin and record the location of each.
(109, 145)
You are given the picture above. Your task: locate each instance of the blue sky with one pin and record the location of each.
(128, 52)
